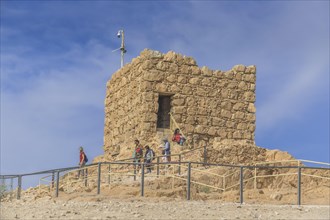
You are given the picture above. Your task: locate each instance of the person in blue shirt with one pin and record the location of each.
(167, 148)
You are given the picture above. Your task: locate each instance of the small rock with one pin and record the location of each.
(276, 196)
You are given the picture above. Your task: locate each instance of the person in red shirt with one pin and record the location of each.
(82, 161)
(178, 137)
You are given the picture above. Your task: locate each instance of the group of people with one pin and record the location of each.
(149, 155)
(138, 156)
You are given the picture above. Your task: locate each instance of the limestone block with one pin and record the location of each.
(239, 68)
(226, 105)
(153, 75)
(241, 126)
(172, 78)
(195, 70)
(229, 74)
(230, 124)
(201, 120)
(214, 93)
(161, 87)
(224, 93)
(187, 90)
(249, 96)
(222, 133)
(238, 106)
(213, 104)
(207, 82)
(247, 135)
(173, 68)
(178, 118)
(237, 135)
(202, 111)
(145, 126)
(206, 71)
(191, 101)
(233, 94)
(147, 96)
(189, 128)
(212, 131)
(199, 129)
(238, 115)
(230, 134)
(251, 108)
(151, 54)
(253, 87)
(174, 88)
(250, 117)
(251, 69)
(218, 121)
(192, 110)
(185, 69)
(190, 120)
(182, 79)
(146, 65)
(232, 85)
(242, 85)
(178, 102)
(163, 66)
(179, 109)
(189, 61)
(170, 56)
(151, 117)
(225, 113)
(201, 92)
(194, 80)
(249, 78)
(218, 74)
(239, 76)
(251, 127)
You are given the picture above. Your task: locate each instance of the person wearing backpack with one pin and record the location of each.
(149, 156)
(82, 161)
(138, 153)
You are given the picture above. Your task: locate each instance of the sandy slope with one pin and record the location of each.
(101, 207)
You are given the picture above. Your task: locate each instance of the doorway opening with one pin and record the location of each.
(164, 108)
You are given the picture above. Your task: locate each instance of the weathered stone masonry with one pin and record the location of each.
(208, 105)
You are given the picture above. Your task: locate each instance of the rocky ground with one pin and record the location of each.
(101, 207)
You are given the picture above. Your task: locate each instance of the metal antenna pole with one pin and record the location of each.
(122, 48)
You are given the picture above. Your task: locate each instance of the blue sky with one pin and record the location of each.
(56, 59)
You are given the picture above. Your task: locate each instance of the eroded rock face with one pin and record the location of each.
(206, 104)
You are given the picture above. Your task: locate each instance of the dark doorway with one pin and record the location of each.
(164, 108)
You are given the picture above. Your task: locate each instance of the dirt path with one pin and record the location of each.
(101, 207)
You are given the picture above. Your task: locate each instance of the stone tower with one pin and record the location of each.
(207, 105)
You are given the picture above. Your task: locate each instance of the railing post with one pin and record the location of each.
(241, 185)
(142, 179)
(53, 178)
(157, 167)
(299, 186)
(57, 183)
(205, 156)
(188, 181)
(109, 170)
(86, 176)
(179, 168)
(134, 176)
(255, 178)
(99, 178)
(11, 187)
(19, 186)
(224, 182)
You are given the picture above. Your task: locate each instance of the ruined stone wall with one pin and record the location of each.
(206, 104)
